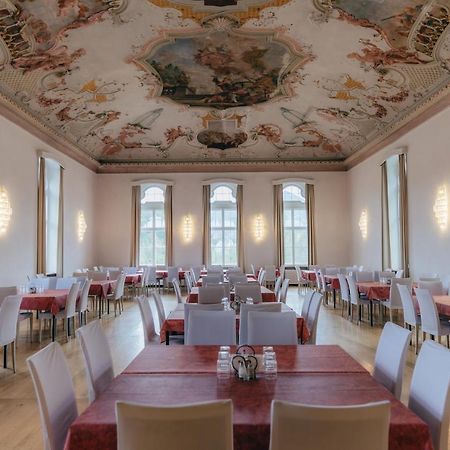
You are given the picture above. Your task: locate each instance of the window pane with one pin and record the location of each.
(216, 218)
(393, 185)
(287, 217)
(230, 218)
(159, 218)
(52, 191)
(216, 238)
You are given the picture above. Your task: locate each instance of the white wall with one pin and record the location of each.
(428, 162)
(113, 205)
(18, 174)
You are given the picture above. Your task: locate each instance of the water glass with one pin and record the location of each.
(225, 303)
(224, 356)
(223, 368)
(270, 368)
(249, 300)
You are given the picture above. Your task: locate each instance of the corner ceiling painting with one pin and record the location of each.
(222, 80)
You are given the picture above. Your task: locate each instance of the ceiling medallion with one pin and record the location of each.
(223, 66)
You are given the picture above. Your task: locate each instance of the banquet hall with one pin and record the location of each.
(224, 224)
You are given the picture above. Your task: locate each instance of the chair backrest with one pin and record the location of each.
(331, 270)
(435, 287)
(365, 276)
(172, 272)
(249, 290)
(43, 283)
(343, 287)
(429, 277)
(354, 295)
(271, 273)
(277, 287)
(129, 270)
(151, 278)
(313, 317)
(71, 301)
(309, 427)
(272, 328)
(204, 426)
(159, 308)
(114, 274)
(148, 323)
(210, 294)
(390, 357)
(120, 287)
(429, 395)
(196, 271)
(262, 277)
(211, 328)
(65, 283)
(97, 358)
(243, 317)
(394, 297)
(215, 269)
(318, 279)
(428, 312)
(234, 278)
(188, 281)
(253, 269)
(177, 289)
(284, 291)
(211, 279)
(97, 276)
(306, 303)
(399, 273)
(282, 271)
(9, 313)
(409, 311)
(7, 290)
(84, 297)
(55, 394)
(189, 307)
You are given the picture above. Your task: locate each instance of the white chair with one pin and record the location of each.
(306, 303)
(249, 290)
(129, 270)
(65, 283)
(5, 291)
(301, 282)
(362, 277)
(189, 307)
(262, 277)
(435, 287)
(253, 269)
(331, 270)
(308, 427)
(272, 328)
(97, 276)
(276, 289)
(177, 289)
(159, 308)
(97, 358)
(188, 281)
(211, 294)
(9, 315)
(271, 275)
(114, 274)
(117, 295)
(359, 302)
(284, 291)
(82, 307)
(395, 302)
(312, 317)
(243, 317)
(55, 394)
(390, 358)
(141, 286)
(211, 328)
(196, 272)
(148, 323)
(205, 426)
(410, 316)
(68, 313)
(429, 395)
(429, 277)
(235, 278)
(172, 273)
(399, 273)
(211, 279)
(152, 278)
(215, 269)
(431, 322)
(344, 293)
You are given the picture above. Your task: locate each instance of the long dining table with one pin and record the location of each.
(266, 294)
(316, 375)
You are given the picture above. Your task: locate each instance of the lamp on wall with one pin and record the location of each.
(259, 227)
(363, 221)
(440, 207)
(82, 226)
(187, 228)
(5, 210)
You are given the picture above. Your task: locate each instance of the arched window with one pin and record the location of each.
(152, 246)
(295, 225)
(223, 225)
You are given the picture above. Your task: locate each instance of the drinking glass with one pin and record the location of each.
(270, 368)
(223, 368)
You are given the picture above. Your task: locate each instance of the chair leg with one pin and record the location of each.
(31, 327)
(13, 354)
(5, 356)
(448, 341)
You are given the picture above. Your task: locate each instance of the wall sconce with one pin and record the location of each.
(5, 211)
(363, 221)
(259, 227)
(82, 226)
(187, 228)
(440, 207)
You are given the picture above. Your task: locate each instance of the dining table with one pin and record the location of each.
(266, 294)
(374, 290)
(174, 324)
(177, 375)
(335, 285)
(309, 275)
(250, 279)
(100, 290)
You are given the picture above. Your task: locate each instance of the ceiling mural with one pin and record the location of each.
(174, 81)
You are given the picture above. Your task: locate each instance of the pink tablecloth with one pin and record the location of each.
(333, 280)
(250, 279)
(50, 300)
(267, 295)
(203, 359)
(96, 427)
(309, 275)
(133, 278)
(102, 288)
(164, 274)
(375, 290)
(442, 304)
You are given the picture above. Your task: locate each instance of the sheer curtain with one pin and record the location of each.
(206, 224)
(240, 228)
(41, 220)
(278, 223)
(385, 232)
(135, 224)
(310, 212)
(168, 224)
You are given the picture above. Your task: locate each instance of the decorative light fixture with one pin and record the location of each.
(363, 221)
(259, 227)
(5, 211)
(440, 207)
(82, 226)
(187, 228)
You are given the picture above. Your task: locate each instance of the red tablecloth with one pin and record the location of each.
(250, 279)
(203, 359)
(309, 275)
(50, 300)
(333, 280)
(96, 427)
(267, 295)
(133, 278)
(375, 290)
(442, 304)
(164, 274)
(102, 288)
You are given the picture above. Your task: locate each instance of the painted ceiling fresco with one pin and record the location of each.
(222, 80)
